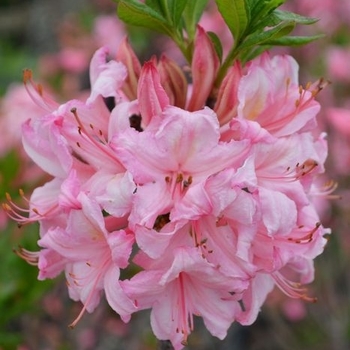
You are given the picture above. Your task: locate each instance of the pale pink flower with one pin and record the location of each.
(179, 288)
(270, 94)
(215, 204)
(93, 258)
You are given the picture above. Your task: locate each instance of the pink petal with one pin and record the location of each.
(115, 295)
(205, 64)
(45, 145)
(150, 93)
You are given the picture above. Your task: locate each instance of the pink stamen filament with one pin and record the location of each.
(32, 258)
(291, 175)
(100, 144)
(299, 104)
(178, 185)
(90, 295)
(14, 211)
(187, 317)
(292, 289)
(36, 93)
(306, 238)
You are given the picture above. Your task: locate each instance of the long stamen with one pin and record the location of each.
(326, 190)
(306, 238)
(93, 289)
(24, 216)
(291, 289)
(99, 140)
(31, 258)
(186, 316)
(300, 103)
(35, 91)
(293, 174)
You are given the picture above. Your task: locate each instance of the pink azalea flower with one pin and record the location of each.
(268, 95)
(93, 258)
(178, 289)
(215, 203)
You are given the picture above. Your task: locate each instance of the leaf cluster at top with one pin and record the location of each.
(255, 25)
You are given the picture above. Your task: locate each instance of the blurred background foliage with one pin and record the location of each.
(34, 315)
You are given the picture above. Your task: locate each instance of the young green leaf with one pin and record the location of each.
(155, 5)
(217, 44)
(261, 8)
(139, 14)
(236, 15)
(255, 52)
(176, 8)
(261, 38)
(192, 14)
(290, 16)
(294, 40)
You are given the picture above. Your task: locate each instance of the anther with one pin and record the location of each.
(188, 182)
(179, 178)
(40, 89)
(27, 75)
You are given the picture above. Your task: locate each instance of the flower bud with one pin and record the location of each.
(173, 80)
(150, 93)
(205, 64)
(127, 56)
(226, 103)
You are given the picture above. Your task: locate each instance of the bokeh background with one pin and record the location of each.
(56, 39)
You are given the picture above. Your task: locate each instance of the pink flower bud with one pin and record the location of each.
(150, 93)
(173, 80)
(205, 65)
(226, 103)
(126, 55)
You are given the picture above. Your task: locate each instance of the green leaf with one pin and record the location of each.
(176, 8)
(155, 5)
(236, 15)
(191, 15)
(255, 52)
(217, 44)
(139, 14)
(293, 40)
(261, 14)
(290, 16)
(261, 8)
(261, 38)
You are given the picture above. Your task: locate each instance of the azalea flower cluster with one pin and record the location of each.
(200, 195)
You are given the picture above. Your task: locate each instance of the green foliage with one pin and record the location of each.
(255, 25)
(217, 44)
(236, 15)
(192, 14)
(169, 17)
(137, 13)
